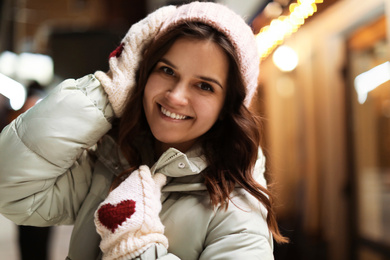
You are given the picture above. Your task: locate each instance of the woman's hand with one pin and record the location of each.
(128, 219)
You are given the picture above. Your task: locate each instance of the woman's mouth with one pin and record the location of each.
(172, 115)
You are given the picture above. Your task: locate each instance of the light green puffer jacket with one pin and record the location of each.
(48, 176)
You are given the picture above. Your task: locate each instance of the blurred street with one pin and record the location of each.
(60, 237)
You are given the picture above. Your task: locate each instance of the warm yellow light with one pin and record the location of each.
(285, 58)
(306, 2)
(273, 35)
(292, 7)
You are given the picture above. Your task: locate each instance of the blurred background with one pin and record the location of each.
(324, 95)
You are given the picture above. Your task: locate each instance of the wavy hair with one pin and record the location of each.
(230, 146)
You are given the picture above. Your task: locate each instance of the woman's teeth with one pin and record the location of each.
(172, 115)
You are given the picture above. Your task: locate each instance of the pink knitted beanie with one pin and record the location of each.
(233, 27)
(124, 61)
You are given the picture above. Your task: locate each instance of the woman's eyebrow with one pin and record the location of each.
(168, 62)
(164, 60)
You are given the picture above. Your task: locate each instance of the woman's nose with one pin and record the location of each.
(178, 94)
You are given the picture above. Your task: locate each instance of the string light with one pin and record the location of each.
(273, 35)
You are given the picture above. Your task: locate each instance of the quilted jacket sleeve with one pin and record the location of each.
(44, 167)
(241, 232)
(247, 238)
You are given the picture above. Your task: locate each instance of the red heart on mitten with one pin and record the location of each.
(117, 52)
(111, 216)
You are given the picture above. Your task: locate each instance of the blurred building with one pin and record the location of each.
(327, 133)
(326, 129)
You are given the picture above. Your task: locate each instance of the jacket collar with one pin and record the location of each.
(172, 162)
(182, 169)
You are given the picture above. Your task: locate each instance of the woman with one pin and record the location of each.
(181, 159)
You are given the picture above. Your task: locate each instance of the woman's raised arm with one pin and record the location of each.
(44, 167)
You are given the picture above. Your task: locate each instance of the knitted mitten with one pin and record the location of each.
(124, 61)
(128, 219)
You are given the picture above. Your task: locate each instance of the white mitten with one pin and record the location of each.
(128, 219)
(124, 61)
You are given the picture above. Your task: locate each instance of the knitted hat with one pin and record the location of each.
(128, 219)
(233, 27)
(125, 60)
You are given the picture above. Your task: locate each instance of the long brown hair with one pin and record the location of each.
(230, 146)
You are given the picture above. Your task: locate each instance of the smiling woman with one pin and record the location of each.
(180, 104)
(157, 158)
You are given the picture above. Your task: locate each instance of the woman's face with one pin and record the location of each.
(185, 92)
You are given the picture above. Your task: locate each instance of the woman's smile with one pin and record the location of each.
(172, 115)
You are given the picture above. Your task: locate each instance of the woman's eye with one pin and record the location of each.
(167, 70)
(205, 86)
